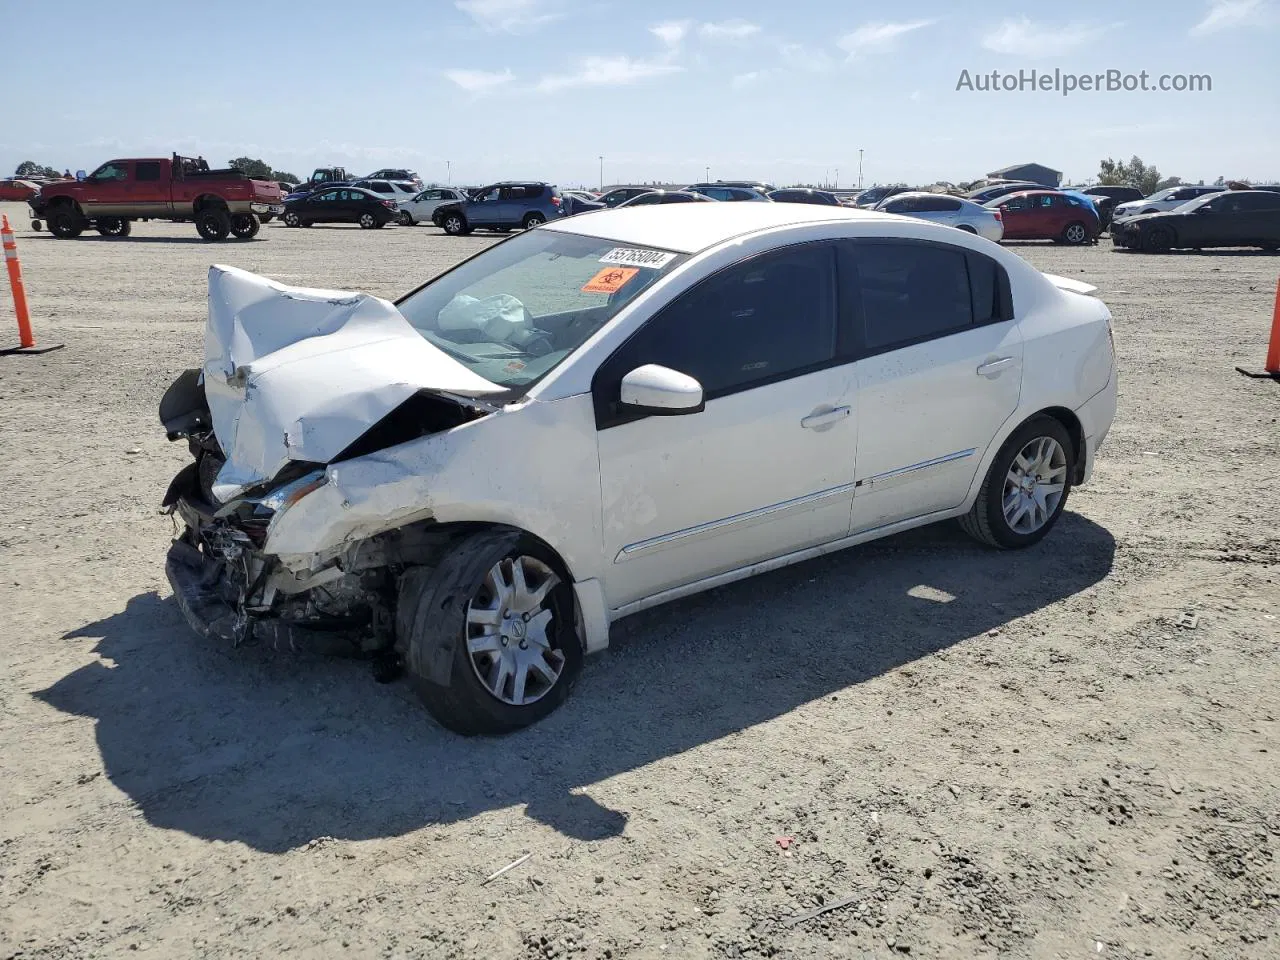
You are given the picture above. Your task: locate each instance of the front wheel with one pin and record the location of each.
(245, 226)
(1075, 234)
(291, 219)
(213, 224)
(455, 225)
(368, 221)
(406, 219)
(1026, 487)
(489, 635)
(112, 227)
(66, 224)
(1158, 240)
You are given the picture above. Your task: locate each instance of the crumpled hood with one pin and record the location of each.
(299, 374)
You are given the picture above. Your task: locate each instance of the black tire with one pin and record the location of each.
(291, 219)
(37, 225)
(432, 631)
(267, 217)
(986, 521)
(1075, 233)
(113, 226)
(967, 229)
(532, 220)
(455, 224)
(406, 219)
(66, 224)
(368, 221)
(1158, 240)
(213, 223)
(245, 226)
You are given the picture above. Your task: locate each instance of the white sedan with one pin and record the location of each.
(418, 208)
(948, 210)
(609, 412)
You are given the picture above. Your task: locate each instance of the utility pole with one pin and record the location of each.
(837, 183)
(706, 175)
(602, 173)
(448, 165)
(859, 168)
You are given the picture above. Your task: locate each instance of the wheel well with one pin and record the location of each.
(57, 203)
(1071, 423)
(208, 202)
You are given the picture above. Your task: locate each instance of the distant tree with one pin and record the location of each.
(286, 177)
(1169, 182)
(29, 168)
(1135, 173)
(256, 169)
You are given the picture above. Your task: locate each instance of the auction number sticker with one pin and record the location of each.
(610, 279)
(631, 257)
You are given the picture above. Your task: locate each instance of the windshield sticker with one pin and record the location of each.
(610, 279)
(653, 259)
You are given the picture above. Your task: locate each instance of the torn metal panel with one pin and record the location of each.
(299, 374)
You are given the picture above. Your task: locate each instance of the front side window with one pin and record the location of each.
(516, 311)
(753, 323)
(330, 195)
(115, 170)
(487, 195)
(910, 292)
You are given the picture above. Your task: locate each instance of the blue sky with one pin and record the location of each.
(495, 89)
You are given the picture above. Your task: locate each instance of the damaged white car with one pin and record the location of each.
(607, 413)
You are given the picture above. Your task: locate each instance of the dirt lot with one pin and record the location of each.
(1066, 752)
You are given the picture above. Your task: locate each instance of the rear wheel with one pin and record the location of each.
(213, 223)
(368, 221)
(1158, 240)
(1026, 488)
(112, 226)
(966, 228)
(245, 226)
(66, 224)
(1075, 233)
(532, 220)
(489, 634)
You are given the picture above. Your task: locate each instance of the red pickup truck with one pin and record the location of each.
(221, 202)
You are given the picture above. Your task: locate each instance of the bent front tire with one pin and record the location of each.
(1026, 488)
(489, 634)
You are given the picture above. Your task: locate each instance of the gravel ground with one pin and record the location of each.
(1062, 752)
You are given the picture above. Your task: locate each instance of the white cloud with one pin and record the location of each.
(1026, 39)
(671, 32)
(797, 56)
(479, 81)
(607, 72)
(743, 80)
(728, 30)
(878, 37)
(1225, 14)
(508, 16)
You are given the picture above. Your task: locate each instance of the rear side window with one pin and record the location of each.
(146, 170)
(908, 293)
(763, 320)
(937, 204)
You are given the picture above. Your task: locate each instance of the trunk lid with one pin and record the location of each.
(299, 374)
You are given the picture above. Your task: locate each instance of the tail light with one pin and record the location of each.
(390, 204)
(555, 201)
(999, 218)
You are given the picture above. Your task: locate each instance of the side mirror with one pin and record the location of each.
(1205, 209)
(661, 391)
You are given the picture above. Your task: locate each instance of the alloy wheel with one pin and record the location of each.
(1034, 485)
(506, 631)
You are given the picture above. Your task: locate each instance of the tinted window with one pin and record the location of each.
(754, 322)
(146, 170)
(1017, 203)
(910, 292)
(897, 206)
(330, 195)
(937, 204)
(1245, 202)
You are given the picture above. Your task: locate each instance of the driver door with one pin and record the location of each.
(107, 190)
(483, 208)
(766, 468)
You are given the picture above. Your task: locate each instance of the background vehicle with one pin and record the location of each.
(395, 173)
(995, 190)
(950, 211)
(664, 196)
(615, 197)
(421, 206)
(20, 189)
(390, 189)
(221, 202)
(646, 358)
(1162, 200)
(584, 195)
(804, 195)
(1232, 218)
(873, 195)
(759, 186)
(341, 205)
(1047, 215)
(326, 175)
(502, 206)
(1118, 194)
(729, 194)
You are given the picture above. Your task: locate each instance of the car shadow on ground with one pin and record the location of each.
(133, 239)
(275, 751)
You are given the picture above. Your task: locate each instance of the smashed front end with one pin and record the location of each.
(294, 382)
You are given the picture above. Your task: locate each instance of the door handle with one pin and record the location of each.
(993, 368)
(824, 417)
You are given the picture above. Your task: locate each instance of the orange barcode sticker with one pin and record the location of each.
(610, 279)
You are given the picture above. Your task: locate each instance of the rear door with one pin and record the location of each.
(152, 196)
(940, 371)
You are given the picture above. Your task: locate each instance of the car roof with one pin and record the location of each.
(692, 227)
(924, 193)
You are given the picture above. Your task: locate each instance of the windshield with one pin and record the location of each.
(514, 312)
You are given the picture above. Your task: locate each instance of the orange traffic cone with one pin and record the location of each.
(1271, 371)
(26, 339)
